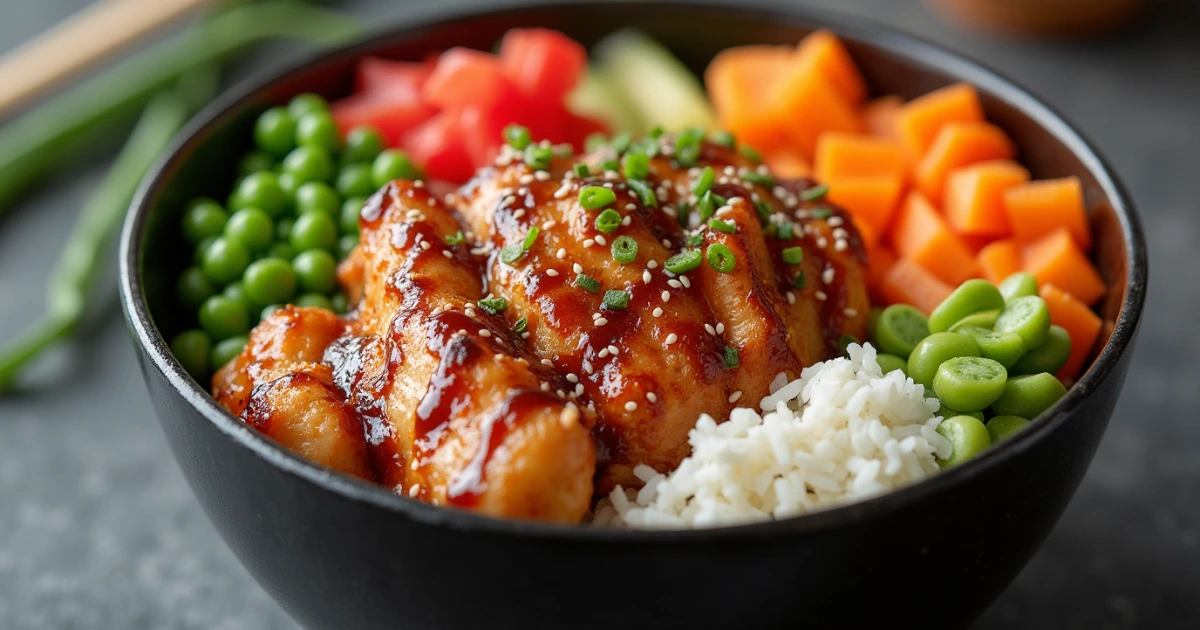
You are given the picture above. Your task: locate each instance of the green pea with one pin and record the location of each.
(314, 300)
(317, 197)
(237, 291)
(316, 270)
(1003, 427)
(934, 350)
(269, 281)
(356, 180)
(314, 230)
(268, 311)
(351, 209)
(305, 103)
(283, 229)
(225, 260)
(252, 227)
(982, 319)
(947, 412)
(201, 248)
(228, 349)
(317, 129)
(899, 329)
(1048, 357)
(346, 245)
(393, 164)
(223, 317)
(203, 218)
(971, 296)
(260, 190)
(255, 161)
(1026, 316)
(889, 363)
(289, 184)
(275, 131)
(1004, 348)
(362, 145)
(193, 287)
(309, 164)
(969, 383)
(1028, 396)
(340, 303)
(191, 348)
(1020, 284)
(968, 437)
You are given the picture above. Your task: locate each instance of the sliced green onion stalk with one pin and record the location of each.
(587, 283)
(616, 299)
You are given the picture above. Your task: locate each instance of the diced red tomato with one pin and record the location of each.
(466, 77)
(392, 112)
(437, 145)
(580, 127)
(375, 73)
(543, 63)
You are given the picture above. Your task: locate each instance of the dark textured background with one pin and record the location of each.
(98, 529)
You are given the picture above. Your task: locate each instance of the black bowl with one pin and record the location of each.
(340, 553)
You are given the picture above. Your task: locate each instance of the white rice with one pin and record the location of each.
(840, 433)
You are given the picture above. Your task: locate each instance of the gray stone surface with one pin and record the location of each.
(98, 529)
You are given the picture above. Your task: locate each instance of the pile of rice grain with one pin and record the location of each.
(842, 432)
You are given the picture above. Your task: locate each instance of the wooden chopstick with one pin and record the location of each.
(87, 37)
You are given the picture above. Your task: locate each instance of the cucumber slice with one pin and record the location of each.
(597, 97)
(661, 90)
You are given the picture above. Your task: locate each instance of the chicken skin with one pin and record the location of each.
(515, 353)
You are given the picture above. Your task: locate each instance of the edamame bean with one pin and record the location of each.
(970, 297)
(226, 350)
(269, 281)
(934, 350)
(889, 363)
(1003, 427)
(947, 412)
(983, 319)
(968, 437)
(1004, 348)
(969, 383)
(222, 317)
(1026, 316)
(1020, 284)
(1048, 357)
(225, 260)
(899, 329)
(191, 348)
(1028, 396)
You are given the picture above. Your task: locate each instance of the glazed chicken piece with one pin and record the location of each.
(650, 360)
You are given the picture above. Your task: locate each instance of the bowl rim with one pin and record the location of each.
(909, 48)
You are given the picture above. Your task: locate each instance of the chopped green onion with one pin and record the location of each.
(707, 205)
(695, 240)
(655, 131)
(815, 193)
(494, 306)
(682, 211)
(455, 239)
(637, 166)
(846, 340)
(750, 153)
(594, 142)
(763, 210)
(587, 283)
(821, 213)
(538, 157)
(683, 262)
(785, 231)
(608, 221)
(731, 357)
(609, 165)
(722, 226)
(762, 179)
(620, 142)
(793, 255)
(517, 137)
(511, 253)
(770, 229)
(645, 145)
(531, 238)
(800, 280)
(520, 326)
(704, 181)
(723, 138)
(624, 250)
(720, 258)
(616, 299)
(687, 151)
(582, 170)
(644, 192)
(596, 197)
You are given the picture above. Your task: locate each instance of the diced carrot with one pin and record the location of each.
(975, 243)
(1080, 322)
(999, 260)
(879, 260)
(1056, 259)
(824, 50)
(906, 282)
(808, 104)
(974, 199)
(788, 164)
(879, 116)
(739, 82)
(921, 235)
(872, 200)
(1037, 208)
(842, 155)
(959, 144)
(919, 121)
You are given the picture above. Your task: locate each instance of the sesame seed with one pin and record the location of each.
(589, 242)
(461, 332)
(587, 367)
(729, 170)
(552, 272)
(522, 191)
(821, 296)
(560, 393)
(526, 178)
(483, 332)
(627, 220)
(631, 406)
(560, 254)
(675, 284)
(603, 353)
(415, 489)
(601, 321)
(631, 207)
(723, 180)
(547, 362)
(840, 245)
(414, 465)
(646, 278)
(791, 297)
(724, 209)
(579, 389)
(827, 276)
(672, 338)
(571, 378)
(653, 264)
(525, 335)
(613, 350)
(720, 328)
(595, 315)
(666, 243)
(652, 397)
(735, 396)
(850, 312)
(669, 211)
(736, 200)
(822, 242)
(601, 240)
(686, 283)
(840, 233)
(835, 221)
(541, 176)
(666, 296)
(447, 254)
(577, 268)
(545, 387)
(425, 245)
(710, 329)
(549, 224)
